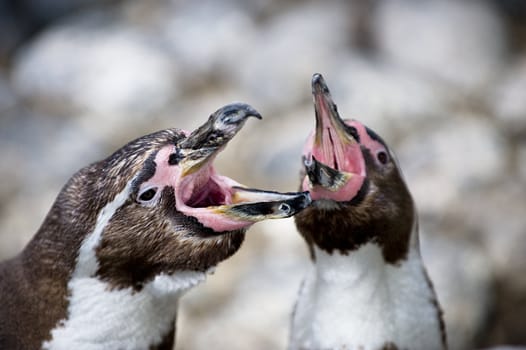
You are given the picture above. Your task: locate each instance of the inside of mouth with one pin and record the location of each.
(220, 203)
(205, 188)
(330, 147)
(209, 194)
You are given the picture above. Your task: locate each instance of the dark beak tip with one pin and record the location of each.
(318, 84)
(236, 113)
(317, 78)
(256, 115)
(247, 111)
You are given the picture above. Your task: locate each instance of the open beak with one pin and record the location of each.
(217, 201)
(333, 160)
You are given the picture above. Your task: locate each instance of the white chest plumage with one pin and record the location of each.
(99, 318)
(103, 318)
(357, 301)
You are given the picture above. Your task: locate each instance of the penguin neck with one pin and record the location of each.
(360, 301)
(364, 266)
(364, 270)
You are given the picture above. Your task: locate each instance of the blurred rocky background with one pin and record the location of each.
(444, 82)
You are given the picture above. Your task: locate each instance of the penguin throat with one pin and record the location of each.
(209, 190)
(341, 154)
(206, 188)
(203, 194)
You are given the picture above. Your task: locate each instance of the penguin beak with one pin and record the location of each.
(328, 121)
(322, 175)
(254, 205)
(216, 201)
(203, 144)
(333, 160)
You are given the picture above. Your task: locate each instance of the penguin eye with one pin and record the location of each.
(382, 157)
(147, 195)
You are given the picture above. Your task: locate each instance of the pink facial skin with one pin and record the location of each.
(340, 152)
(191, 191)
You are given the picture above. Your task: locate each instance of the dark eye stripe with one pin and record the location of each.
(147, 172)
(374, 136)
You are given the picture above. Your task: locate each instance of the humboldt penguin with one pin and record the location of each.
(127, 236)
(366, 287)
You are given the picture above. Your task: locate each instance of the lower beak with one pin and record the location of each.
(320, 174)
(256, 205)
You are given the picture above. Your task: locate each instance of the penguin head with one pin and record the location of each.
(157, 205)
(358, 191)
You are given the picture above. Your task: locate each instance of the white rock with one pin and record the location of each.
(521, 161)
(7, 97)
(255, 314)
(459, 41)
(96, 65)
(462, 277)
(292, 46)
(497, 215)
(207, 38)
(386, 97)
(509, 98)
(449, 158)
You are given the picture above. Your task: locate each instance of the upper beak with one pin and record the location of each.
(327, 116)
(204, 143)
(330, 140)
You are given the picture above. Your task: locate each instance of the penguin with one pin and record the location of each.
(127, 236)
(366, 287)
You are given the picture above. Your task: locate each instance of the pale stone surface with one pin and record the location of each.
(461, 42)
(509, 100)
(451, 158)
(93, 64)
(437, 86)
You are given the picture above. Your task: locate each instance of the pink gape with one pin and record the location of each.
(331, 145)
(192, 192)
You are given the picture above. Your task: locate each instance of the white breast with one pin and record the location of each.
(357, 301)
(99, 318)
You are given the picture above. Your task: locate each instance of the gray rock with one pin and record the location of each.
(497, 215)
(461, 42)
(271, 156)
(462, 277)
(209, 39)
(39, 153)
(293, 45)
(450, 158)
(386, 97)
(7, 96)
(509, 99)
(96, 65)
(521, 162)
(256, 288)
